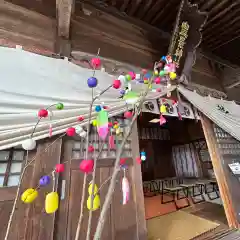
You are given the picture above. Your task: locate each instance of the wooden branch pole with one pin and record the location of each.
(116, 169)
(218, 170)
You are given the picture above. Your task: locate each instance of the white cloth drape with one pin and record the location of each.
(230, 122)
(30, 82)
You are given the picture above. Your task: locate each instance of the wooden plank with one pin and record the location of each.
(25, 27)
(219, 171)
(38, 225)
(138, 187)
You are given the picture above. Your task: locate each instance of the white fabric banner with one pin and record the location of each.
(226, 114)
(30, 82)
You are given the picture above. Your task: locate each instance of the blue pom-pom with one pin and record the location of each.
(92, 82)
(98, 108)
(44, 180)
(143, 153)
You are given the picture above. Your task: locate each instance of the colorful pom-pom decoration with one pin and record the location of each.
(42, 113)
(157, 80)
(44, 180)
(122, 161)
(172, 75)
(163, 109)
(71, 131)
(59, 168)
(96, 62)
(86, 165)
(90, 149)
(51, 202)
(138, 160)
(78, 129)
(83, 134)
(29, 144)
(122, 92)
(162, 73)
(143, 158)
(94, 122)
(92, 189)
(145, 81)
(116, 84)
(29, 195)
(110, 124)
(128, 77)
(132, 74)
(59, 106)
(156, 72)
(80, 118)
(128, 114)
(162, 120)
(92, 82)
(95, 204)
(158, 90)
(98, 108)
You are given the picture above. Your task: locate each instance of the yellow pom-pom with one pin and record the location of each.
(29, 195)
(163, 108)
(51, 202)
(90, 188)
(94, 122)
(145, 81)
(156, 73)
(118, 131)
(115, 126)
(96, 203)
(172, 75)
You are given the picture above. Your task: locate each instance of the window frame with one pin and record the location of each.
(9, 163)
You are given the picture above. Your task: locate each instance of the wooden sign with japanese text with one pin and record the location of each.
(186, 37)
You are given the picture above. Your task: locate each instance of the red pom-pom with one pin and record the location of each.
(80, 118)
(59, 168)
(116, 84)
(110, 124)
(115, 123)
(71, 131)
(86, 166)
(90, 148)
(157, 80)
(42, 113)
(96, 62)
(123, 161)
(138, 160)
(128, 114)
(158, 90)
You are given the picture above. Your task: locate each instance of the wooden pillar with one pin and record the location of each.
(220, 174)
(138, 187)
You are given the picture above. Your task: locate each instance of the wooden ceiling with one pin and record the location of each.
(221, 34)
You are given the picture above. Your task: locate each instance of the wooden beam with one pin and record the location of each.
(219, 171)
(64, 12)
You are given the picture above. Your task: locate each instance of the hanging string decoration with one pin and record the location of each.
(125, 188)
(96, 198)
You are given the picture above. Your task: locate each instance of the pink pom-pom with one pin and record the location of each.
(90, 148)
(86, 166)
(157, 80)
(80, 118)
(128, 114)
(59, 168)
(96, 62)
(158, 90)
(133, 75)
(116, 84)
(71, 131)
(42, 113)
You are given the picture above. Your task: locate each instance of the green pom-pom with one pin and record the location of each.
(162, 73)
(128, 77)
(59, 106)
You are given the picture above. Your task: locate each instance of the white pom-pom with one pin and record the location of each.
(121, 78)
(78, 129)
(83, 134)
(143, 158)
(29, 144)
(138, 76)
